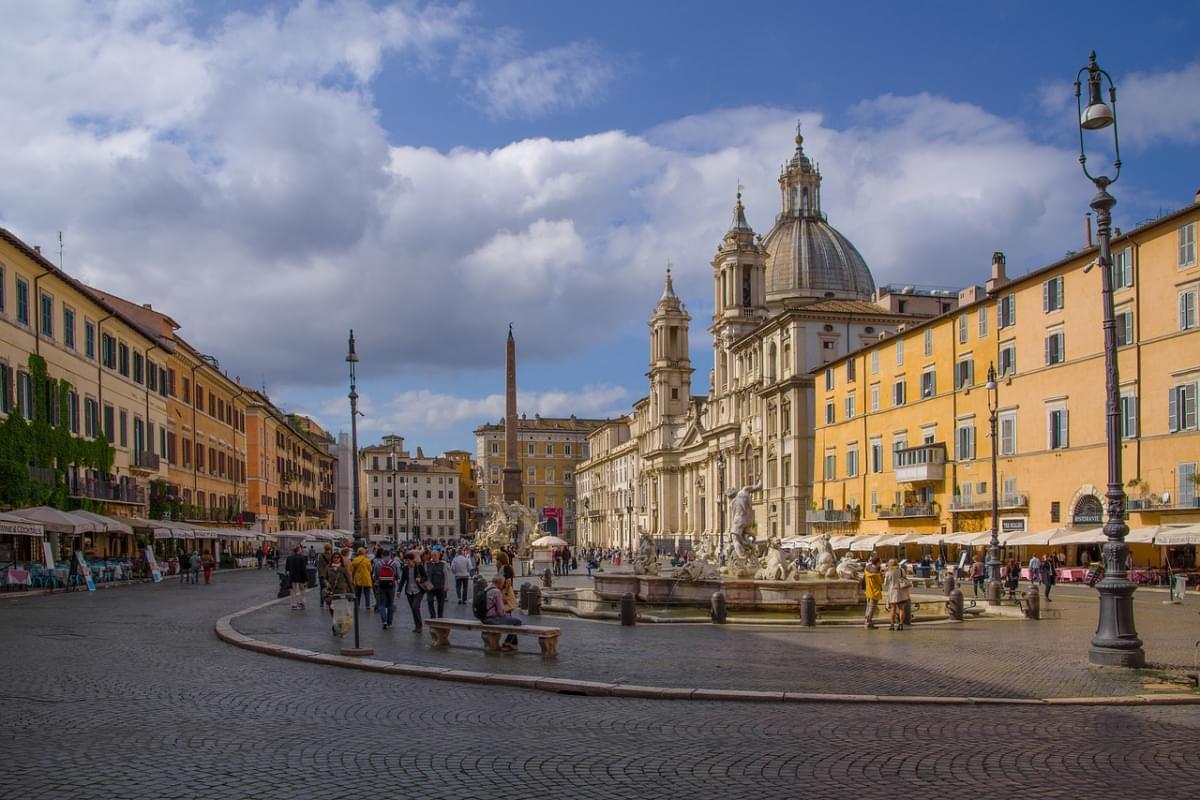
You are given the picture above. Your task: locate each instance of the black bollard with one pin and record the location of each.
(1033, 604)
(547, 579)
(994, 591)
(628, 609)
(523, 596)
(718, 609)
(534, 601)
(948, 584)
(808, 610)
(954, 606)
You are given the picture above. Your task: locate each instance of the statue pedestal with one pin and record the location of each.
(740, 594)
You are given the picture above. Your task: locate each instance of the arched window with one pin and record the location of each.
(804, 202)
(771, 363)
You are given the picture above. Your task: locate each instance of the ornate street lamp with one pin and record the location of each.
(993, 559)
(352, 360)
(629, 516)
(1116, 642)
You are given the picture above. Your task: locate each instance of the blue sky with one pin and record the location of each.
(275, 173)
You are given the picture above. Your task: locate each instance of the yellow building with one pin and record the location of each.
(106, 374)
(289, 476)
(901, 435)
(468, 487)
(549, 450)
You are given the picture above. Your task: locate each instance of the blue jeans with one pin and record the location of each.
(512, 637)
(385, 602)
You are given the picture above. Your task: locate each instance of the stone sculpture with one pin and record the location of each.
(646, 561)
(509, 523)
(742, 556)
(849, 568)
(826, 564)
(775, 567)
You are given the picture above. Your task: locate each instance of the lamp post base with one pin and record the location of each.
(994, 591)
(1116, 643)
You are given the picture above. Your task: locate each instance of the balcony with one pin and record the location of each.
(908, 512)
(923, 464)
(111, 491)
(975, 503)
(145, 462)
(832, 516)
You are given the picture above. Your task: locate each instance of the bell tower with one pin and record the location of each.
(670, 370)
(740, 284)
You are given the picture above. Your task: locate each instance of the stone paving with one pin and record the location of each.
(128, 694)
(980, 658)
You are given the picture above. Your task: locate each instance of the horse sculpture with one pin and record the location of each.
(826, 564)
(849, 568)
(775, 567)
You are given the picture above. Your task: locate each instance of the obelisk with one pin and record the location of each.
(512, 469)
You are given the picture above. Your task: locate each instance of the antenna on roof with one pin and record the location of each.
(60, 250)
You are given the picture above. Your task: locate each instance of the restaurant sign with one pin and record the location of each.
(1012, 525)
(1087, 511)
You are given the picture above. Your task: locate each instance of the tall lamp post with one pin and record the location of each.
(629, 517)
(352, 360)
(721, 506)
(1116, 642)
(395, 518)
(993, 559)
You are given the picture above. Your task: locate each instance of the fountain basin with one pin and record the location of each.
(740, 593)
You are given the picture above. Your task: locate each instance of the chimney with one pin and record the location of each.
(998, 278)
(1087, 222)
(37, 248)
(147, 306)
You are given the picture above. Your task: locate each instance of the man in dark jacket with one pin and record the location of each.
(438, 572)
(296, 568)
(411, 586)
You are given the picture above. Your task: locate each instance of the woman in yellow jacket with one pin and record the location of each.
(873, 589)
(360, 571)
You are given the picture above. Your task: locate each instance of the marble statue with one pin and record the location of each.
(826, 564)
(741, 559)
(697, 570)
(849, 568)
(775, 567)
(646, 561)
(509, 523)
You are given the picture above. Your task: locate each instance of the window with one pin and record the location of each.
(495, 448)
(964, 373)
(1055, 346)
(899, 352)
(1008, 360)
(928, 342)
(877, 456)
(123, 428)
(874, 362)
(1006, 311)
(983, 323)
(69, 328)
(964, 327)
(1124, 330)
(1187, 245)
(898, 393)
(108, 351)
(109, 425)
(875, 397)
(1185, 493)
(1121, 273)
(830, 466)
(898, 443)
(964, 442)
(198, 398)
(1052, 294)
(1187, 309)
(139, 368)
(850, 370)
(1128, 416)
(1056, 429)
(1008, 433)
(549, 449)
(25, 394)
(90, 412)
(852, 462)
(1181, 407)
(22, 301)
(829, 379)
(73, 412)
(829, 413)
(89, 339)
(151, 375)
(123, 359)
(850, 406)
(566, 449)
(928, 384)
(47, 316)
(6, 388)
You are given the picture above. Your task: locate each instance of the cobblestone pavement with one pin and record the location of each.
(993, 658)
(128, 694)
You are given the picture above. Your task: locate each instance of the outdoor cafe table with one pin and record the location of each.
(18, 577)
(1072, 573)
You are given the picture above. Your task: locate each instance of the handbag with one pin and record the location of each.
(426, 586)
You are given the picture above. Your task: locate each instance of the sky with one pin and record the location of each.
(274, 174)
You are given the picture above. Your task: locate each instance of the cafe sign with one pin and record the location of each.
(1087, 511)
(1012, 525)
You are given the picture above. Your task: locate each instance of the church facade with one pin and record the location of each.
(784, 305)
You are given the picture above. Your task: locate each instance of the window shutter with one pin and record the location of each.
(1046, 296)
(1066, 429)
(1183, 311)
(1047, 346)
(1189, 411)
(1050, 430)
(1173, 409)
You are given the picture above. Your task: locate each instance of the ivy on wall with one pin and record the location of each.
(45, 443)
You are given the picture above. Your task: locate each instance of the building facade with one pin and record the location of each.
(290, 476)
(468, 504)
(408, 496)
(902, 433)
(549, 450)
(797, 298)
(73, 359)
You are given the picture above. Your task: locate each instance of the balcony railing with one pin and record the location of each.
(832, 516)
(146, 460)
(113, 491)
(976, 503)
(924, 463)
(897, 512)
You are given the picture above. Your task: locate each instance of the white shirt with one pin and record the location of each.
(460, 567)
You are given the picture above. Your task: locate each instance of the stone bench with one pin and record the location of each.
(440, 629)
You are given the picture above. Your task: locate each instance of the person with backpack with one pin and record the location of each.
(438, 575)
(296, 567)
(497, 612)
(411, 585)
(385, 574)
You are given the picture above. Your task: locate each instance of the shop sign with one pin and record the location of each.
(47, 555)
(1015, 525)
(1087, 511)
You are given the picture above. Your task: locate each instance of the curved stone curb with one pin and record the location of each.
(226, 632)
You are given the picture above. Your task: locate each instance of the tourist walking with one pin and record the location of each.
(977, 575)
(185, 567)
(296, 568)
(499, 612)
(1012, 576)
(384, 574)
(873, 588)
(337, 579)
(207, 563)
(461, 568)
(323, 562)
(360, 570)
(896, 587)
(258, 557)
(437, 572)
(1049, 575)
(412, 583)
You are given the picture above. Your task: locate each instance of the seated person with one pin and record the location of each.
(498, 613)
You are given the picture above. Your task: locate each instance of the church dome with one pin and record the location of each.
(806, 256)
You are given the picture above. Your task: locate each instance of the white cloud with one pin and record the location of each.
(1162, 106)
(531, 85)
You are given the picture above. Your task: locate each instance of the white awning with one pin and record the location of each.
(12, 525)
(104, 524)
(841, 542)
(1089, 536)
(1188, 535)
(864, 544)
(931, 538)
(55, 521)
